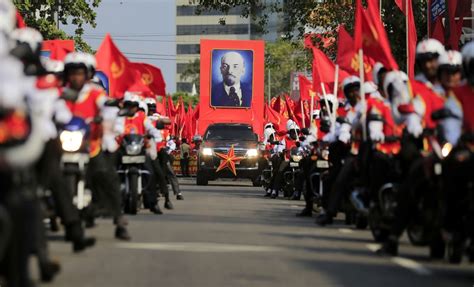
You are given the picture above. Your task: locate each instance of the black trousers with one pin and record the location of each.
(105, 183)
(50, 177)
(185, 166)
(342, 185)
(166, 161)
(157, 177)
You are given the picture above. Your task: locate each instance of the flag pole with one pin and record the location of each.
(406, 25)
(312, 94)
(326, 103)
(336, 85)
(362, 94)
(302, 113)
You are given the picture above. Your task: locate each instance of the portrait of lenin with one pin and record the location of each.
(232, 72)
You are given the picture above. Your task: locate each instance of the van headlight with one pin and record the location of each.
(207, 151)
(252, 152)
(133, 149)
(71, 141)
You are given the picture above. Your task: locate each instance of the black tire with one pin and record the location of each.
(201, 179)
(256, 182)
(361, 221)
(417, 235)
(133, 196)
(379, 233)
(70, 180)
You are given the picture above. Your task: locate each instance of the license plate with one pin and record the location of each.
(322, 164)
(133, 159)
(294, 164)
(75, 158)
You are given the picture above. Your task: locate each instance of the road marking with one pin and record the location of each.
(403, 262)
(346, 230)
(197, 247)
(411, 265)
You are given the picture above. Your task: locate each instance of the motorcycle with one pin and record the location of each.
(74, 160)
(291, 174)
(319, 157)
(132, 172)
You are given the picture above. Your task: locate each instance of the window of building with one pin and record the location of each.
(191, 11)
(212, 29)
(187, 49)
(184, 87)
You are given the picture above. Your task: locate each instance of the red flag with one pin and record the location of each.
(290, 107)
(279, 106)
(180, 118)
(306, 88)
(370, 36)
(148, 78)
(348, 56)
(116, 66)
(438, 31)
(20, 23)
(324, 71)
(412, 37)
(272, 116)
(58, 48)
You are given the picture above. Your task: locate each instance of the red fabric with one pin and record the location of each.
(271, 116)
(432, 101)
(135, 124)
(412, 37)
(87, 109)
(390, 129)
(370, 36)
(20, 23)
(116, 66)
(58, 48)
(148, 78)
(324, 71)
(306, 88)
(438, 31)
(465, 95)
(348, 56)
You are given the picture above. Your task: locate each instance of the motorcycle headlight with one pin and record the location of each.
(133, 149)
(296, 158)
(71, 141)
(446, 149)
(252, 153)
(207, 151)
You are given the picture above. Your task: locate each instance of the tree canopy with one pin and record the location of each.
(48, 14)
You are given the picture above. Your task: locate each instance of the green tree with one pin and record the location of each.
(187, 98)
(47, 14)
(192, 72)
(282, 58)
(329, 14)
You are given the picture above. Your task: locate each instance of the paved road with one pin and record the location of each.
(224, 235)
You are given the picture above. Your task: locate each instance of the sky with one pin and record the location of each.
(144, 30)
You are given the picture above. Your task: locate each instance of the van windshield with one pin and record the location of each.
(241, 133)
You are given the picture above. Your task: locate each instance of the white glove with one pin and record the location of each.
(330, 137)
(345, 133)
(109, 143)
(413, 124)
(376, 131)
(62, 113)
(156, 134)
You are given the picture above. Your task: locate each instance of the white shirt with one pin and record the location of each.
(237, 90)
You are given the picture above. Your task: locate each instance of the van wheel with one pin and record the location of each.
(201, 179)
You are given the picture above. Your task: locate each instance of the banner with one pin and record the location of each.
(232, 83)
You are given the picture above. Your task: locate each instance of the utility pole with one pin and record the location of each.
(269, 86)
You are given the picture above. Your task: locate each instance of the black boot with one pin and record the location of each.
(48, 270)
(168, 204)
(324, 219)
(156, 209)
(389, 247)
(121, 233)
(305, 213)
(179, 196)
(296, 195)
(75, 233)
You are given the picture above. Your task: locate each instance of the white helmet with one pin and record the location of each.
(451, 57)
(268, 132)
(142, 105)
(7, 16)
(396, 79)
(131, 97)
(316, 114)
(468, 61)
(52, 66)
(28, 35)
(291, 125)
(80, 60)
(349, 81)
(370, 87)
(330, 98)
(375, 73)
(150, 101)
(429, 48)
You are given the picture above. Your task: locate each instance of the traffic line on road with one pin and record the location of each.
(409, 264)
(197, 247)
(345, 230)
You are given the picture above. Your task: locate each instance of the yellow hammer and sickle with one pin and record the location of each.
(147, 78)
(117, 69)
